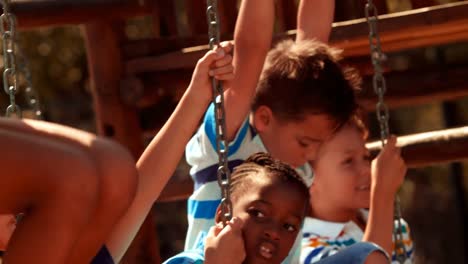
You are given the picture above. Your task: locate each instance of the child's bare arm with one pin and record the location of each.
(159, 160)
(388, 172)
(252, 38)
(314, 19)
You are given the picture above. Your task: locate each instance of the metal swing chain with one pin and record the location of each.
(380, 87)
(223, 173)
(16, 62)
(10, 78)
(31, 95)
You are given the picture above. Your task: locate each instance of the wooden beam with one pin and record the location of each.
(430, 148)
(418, 150)
(416, 87)
(422, 3)
(411, 87)
(39, 13)
(399, 31)
(405, 30)
(184, 59)
(139, 49)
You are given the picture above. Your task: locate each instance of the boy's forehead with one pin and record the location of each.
(315, 126)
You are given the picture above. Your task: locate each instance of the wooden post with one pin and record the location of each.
(114, 119)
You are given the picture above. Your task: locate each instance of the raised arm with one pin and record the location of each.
(388, 172)
(314, 19)
(161, 157)
(252, 38)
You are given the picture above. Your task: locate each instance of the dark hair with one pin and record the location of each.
(305, 78)
(357, 122)
(263, 165)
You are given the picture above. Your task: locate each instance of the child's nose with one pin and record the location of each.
(365, 170)
(310, 155)
(273, 232)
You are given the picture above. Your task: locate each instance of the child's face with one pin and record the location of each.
(294, 142)
(342, 171)
(272, 211)
(7, 226)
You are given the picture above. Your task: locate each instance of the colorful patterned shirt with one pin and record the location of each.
(322, 238)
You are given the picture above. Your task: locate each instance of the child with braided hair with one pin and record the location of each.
(269, 201)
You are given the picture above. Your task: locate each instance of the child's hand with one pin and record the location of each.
(217, 64)
(388, 169)
(225, 245)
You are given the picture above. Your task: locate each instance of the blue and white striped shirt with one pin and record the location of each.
(202, 157)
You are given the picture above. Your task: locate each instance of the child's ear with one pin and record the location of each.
(263, 117)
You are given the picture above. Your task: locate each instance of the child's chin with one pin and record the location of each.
(260, 260)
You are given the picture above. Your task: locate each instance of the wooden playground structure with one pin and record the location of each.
(128, 77)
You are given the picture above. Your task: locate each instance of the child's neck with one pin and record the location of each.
(329, 213)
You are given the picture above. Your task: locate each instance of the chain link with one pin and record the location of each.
(31, 95)
(223, 174)
(10, 79)
(14, 63)
(383, 116)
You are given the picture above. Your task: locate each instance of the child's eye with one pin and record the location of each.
(256, 213)
(290, 227)
(303, 144)
(348, 161)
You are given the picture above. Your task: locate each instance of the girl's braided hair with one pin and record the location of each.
(262, 165)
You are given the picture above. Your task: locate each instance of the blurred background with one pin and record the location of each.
(433, 198)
